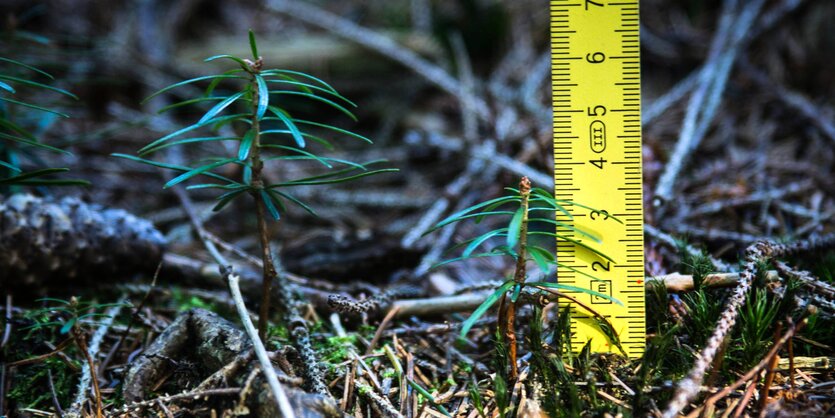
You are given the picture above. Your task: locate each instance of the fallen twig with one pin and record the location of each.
(733, 28)
(753, 372)
(232, 279)
(670, 241)
(382, 44)
(87, 370)
(690, 386)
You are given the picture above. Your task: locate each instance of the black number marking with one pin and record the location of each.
(596, 57)
(599, 264)
(595, 213)
(593, 112)
(593, 3)
(598, 163)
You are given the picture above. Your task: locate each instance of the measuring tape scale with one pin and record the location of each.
(595, 76)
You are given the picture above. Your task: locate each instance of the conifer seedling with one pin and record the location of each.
(523, 207)
(251, 100)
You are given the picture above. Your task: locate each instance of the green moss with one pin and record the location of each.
(184, 301)
(335, 350)
(30, 388)
(390, 374)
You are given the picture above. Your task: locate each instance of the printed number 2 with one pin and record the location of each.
(599, 264)
(594, 3)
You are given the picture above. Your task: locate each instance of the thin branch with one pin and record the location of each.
(232, 280)
(87, 371)
(733, 28)
(793, 100)
(382, 44)
(754, 371)
(670, 241)
(690, 386)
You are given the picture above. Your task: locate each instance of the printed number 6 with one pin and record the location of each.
(596, 58)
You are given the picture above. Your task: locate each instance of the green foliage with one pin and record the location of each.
(540, 206)
(30, 381)
(475, 397)
(566, 380)
(22, 121)
(697, 265)
(248, 99)
(334, 350)
(428, 396)
(703, 310)
(65, 314)
(500, 389)
(756, 328)
(184, 301)
(703, 306)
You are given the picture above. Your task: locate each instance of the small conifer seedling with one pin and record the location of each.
(525, 206)
(253, 106)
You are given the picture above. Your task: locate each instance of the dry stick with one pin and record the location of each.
(383, 405)
(746, 398)
(532, 87)
(191, 395)
(820, 287)
(58, 410)
(770, 371)
(475, 168)
(39, 358)
(794, 100)
(673, 282)
(516, 167)
(669, 240)
(88, 371)
(232, 279)
(767, 195)
(716, 234)
(668, 99)
(465, 74)
(754, 371)
(134, 315)
(690, 386)
(683, 87)
(7, 327)
(382, 44)
(90, 365)
(705, 100)
(433, 255)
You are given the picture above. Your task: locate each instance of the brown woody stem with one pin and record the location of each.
(263, 231)
(507, 309)
(521, 271)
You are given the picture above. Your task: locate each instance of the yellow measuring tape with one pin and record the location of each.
(595, 75)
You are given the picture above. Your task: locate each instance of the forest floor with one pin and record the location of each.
(739, 258)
